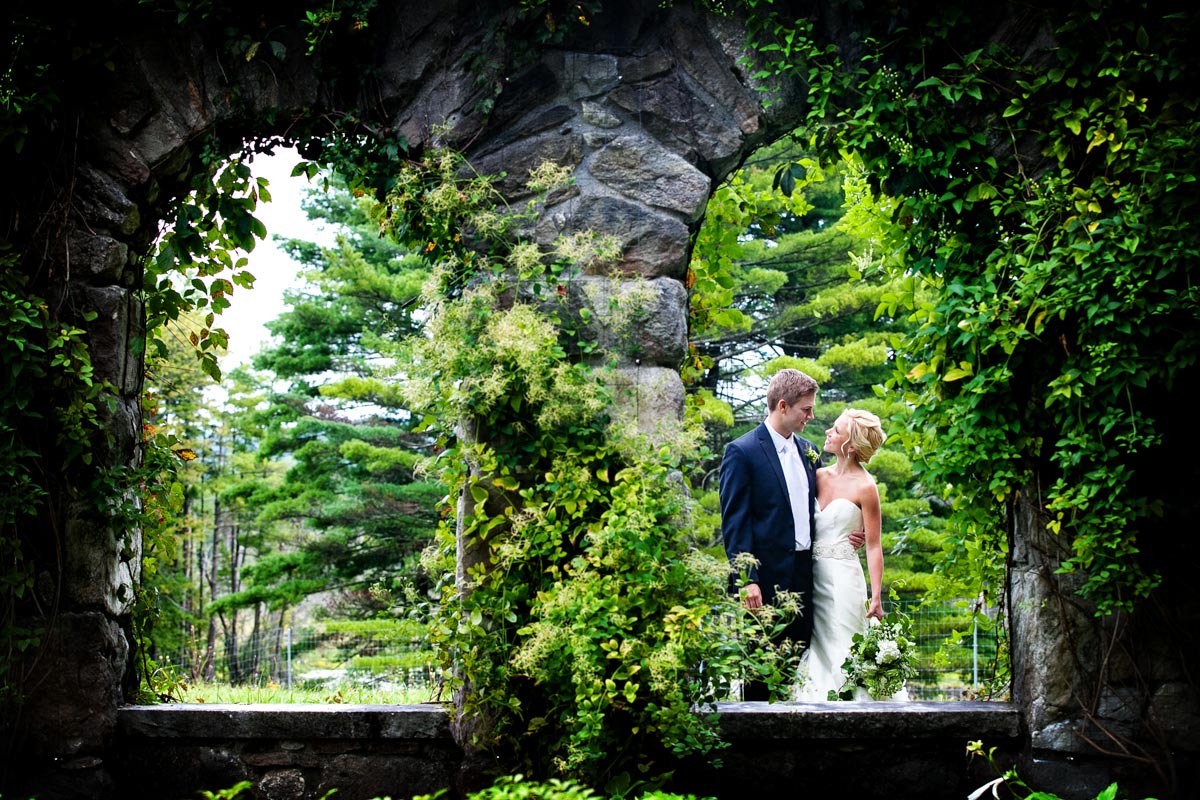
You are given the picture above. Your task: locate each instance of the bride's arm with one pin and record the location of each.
(873, 522)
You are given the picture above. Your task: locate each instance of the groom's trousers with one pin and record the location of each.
(798, 629)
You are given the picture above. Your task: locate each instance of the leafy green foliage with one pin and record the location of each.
(49, 63)
(776, 278)
(155, 618)
(573, 611)
(340, 424)
(24, 322)
(517, 787)
(26, 82)
(1033, 225)
(229, 793)
(1016, 786)
(49, 359)
(206, 239)
(738, 205)
(321, 22)
(1059, 294)
(307, 470)
(43, 357)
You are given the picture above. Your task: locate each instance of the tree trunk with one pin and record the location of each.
(255, 644)
(210, 649)
(231, 631)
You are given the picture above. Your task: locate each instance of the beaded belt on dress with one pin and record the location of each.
(841, 549)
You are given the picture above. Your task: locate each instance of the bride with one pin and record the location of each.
(847, 500)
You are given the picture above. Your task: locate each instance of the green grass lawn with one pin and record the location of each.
(345, 693)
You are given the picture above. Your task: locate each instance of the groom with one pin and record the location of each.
(768, 490)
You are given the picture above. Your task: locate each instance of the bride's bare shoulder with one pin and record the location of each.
(868, 491)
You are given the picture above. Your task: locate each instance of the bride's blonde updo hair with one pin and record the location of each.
(864, 433)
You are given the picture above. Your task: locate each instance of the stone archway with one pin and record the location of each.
(650, 108)
(621, 112)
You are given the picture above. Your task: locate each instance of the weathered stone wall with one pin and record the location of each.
(881, 751)
(650, 109)
(1104, 698)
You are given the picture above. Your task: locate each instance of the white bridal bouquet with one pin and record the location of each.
(881, 659)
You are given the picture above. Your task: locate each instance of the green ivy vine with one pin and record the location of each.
(1044, 207)
(42, 357)
(573, 608)
(202, 256)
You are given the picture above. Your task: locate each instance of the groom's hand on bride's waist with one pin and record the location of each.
(858, 539)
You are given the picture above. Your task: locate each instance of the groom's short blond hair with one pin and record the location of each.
(788, 385)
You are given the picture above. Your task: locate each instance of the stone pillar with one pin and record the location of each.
(1053, 637)
(75, 681)
(131, 150)
(1105, 699)
(647, 132)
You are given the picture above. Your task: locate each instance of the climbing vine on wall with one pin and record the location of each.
(199, 261)
(573, 608)
(1046, 201)
(40, 357)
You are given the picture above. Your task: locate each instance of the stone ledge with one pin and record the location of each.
(280, 721)
(972, 720)
(916, 720)
(897, 751)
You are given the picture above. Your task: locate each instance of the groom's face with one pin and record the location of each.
(796, 416)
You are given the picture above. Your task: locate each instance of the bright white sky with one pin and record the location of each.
(245, 320)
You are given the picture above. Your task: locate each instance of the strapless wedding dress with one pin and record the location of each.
(839, 601)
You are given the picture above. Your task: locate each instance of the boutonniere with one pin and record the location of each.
(813, 455)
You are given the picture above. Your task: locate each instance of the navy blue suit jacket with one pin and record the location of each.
(756, 514)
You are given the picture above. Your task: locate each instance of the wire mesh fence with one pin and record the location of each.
(379, 654)
(958, 649)
(958, 655)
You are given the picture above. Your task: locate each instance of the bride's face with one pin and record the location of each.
(836, 438)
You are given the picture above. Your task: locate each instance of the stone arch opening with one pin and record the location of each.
(630, 97)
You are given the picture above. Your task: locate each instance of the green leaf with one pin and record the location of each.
(958, 373)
